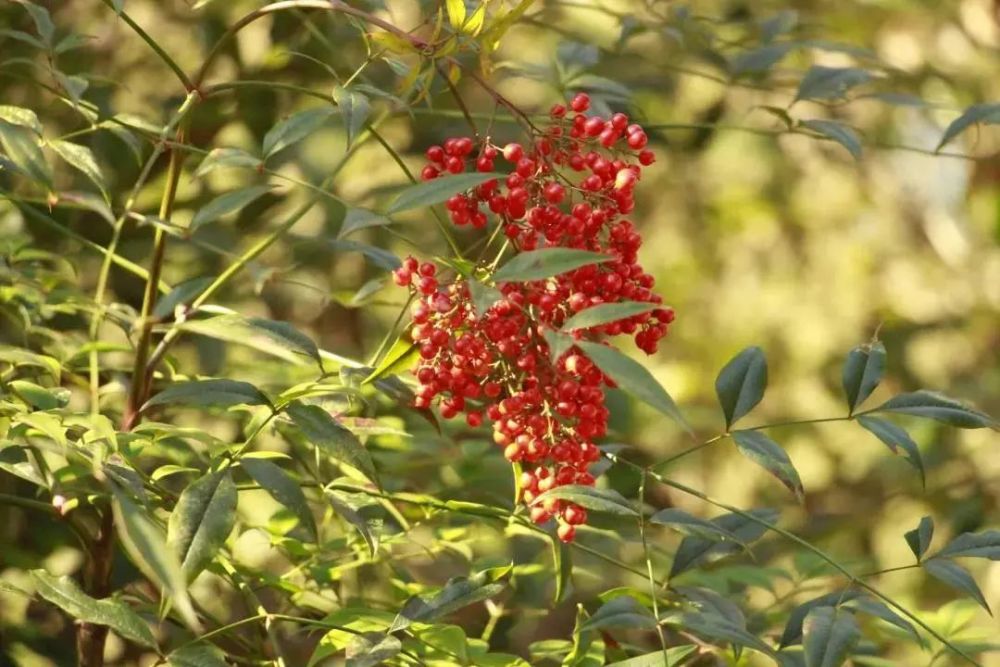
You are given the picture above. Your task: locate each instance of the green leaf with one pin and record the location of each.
(115, 614)
(720, 628)
(401, 357)
(227, 157)
(483, 296)
(932, 405)
(355, 108)
(827, 83)
(201, 654)
(558, 343)
(81, 158)
(634, 378)
(21, 146)
(879, 609)
(202, 520)
(839, 132)
(741, 383)
(231, 202)
(209, 393)
(919, 539)
(371, 649)
(830, 636)
(39, 397)
(146, 545)
(598, 500)
(988, 114)
(896, 439)
(14, 460)
(294, 128)
(862, 373)
(456, 13)
(456, 594)
(621, 612)
(675, 656)
(182, 294)
(435, 191)
(562, 559)
(359, 218)
(346, 506)
(769, 455)
(324, 432)
(695, 550)
(760, 59)
(796, 619)
(605, 313)
(279, 339)
(283, 489)
(689, 524)
(378, 256)
(973, 545)
(21, 116)
(43, 21)
(957, 577)
(545, 263)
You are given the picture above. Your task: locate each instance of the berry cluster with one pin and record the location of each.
(570, 190)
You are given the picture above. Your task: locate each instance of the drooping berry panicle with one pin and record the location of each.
(571, 189)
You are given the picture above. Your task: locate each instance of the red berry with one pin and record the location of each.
(580, 103)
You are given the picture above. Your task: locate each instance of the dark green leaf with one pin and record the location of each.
(709, 602)
(21, 146)
(760, 59)
(280, 339)
(769, 455)
(545, 263)
(956, 576)
(842, 134)
(558, 343)
(182, 294)
(562, 558)
(202, 520)
(598, 500)
(973, 545)
(862, 373)
(932, 405)
(227, 157)
(919, 539)
(323, 431)
(209, 393)
(741, 383)
(897, 439)
(294, 128)
(282, 488)
(355, 108)
(43, 22)
(14, 460)
(793, 628)
(350, 510)
(694, 550)
(81, 158)
(988, 114)
(231, 202)
(456, 594)
(621, 612)
(65, 594)
(146, 544)
(830, 636)
(378, 256)
(370, 649)
(435, 191)
(827, 83)
(719, 628)
(689, 524)
(879, 609)
(607, 312)
(201, 654)
(359, 218)
(634, 378)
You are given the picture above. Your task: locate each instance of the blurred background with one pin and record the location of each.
(759, 230)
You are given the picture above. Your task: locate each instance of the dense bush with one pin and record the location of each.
(328, 337)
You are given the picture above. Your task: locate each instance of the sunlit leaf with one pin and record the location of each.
(597, 500)
(277, 338)
(606, 313)
(456, 594)
(202, 520)
(21, 147)
(323, 431)
(370, 649)
(201, 654)
(81, 158)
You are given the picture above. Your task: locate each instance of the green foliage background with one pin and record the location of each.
(759, 232)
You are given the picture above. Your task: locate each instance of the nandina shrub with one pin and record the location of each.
(193, 477)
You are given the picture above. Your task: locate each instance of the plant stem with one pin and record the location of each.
(90, 637)
(653, 593)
